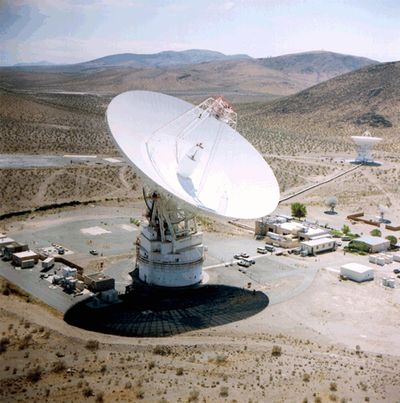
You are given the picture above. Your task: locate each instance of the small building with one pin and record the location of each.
(309, 233)
(283, 241)
(319, 245)
(48, 263)
(27, 264)
(4, 242)
(12, 248)
(265, 224)
(375, 243)
(357, 272)
(98, 282)
(19, 257)
(284, 232)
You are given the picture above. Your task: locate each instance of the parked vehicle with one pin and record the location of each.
(251, 261)
(245, 255)
(270, 248)
(244, 263)
(94, 252)
(262, 251)
(61, 251)
(237, 256)
(396, 271)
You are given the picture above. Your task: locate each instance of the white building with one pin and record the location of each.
(375, 243)
(319, 245)
(19, 257)
(357, 272)
(5, 241)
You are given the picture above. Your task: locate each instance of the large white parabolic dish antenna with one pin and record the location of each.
(364, 145)
(160, 135)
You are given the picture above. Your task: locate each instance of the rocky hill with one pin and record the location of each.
(322, 63)
(324, 116)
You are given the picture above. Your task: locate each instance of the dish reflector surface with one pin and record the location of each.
(366, 140)
(194, 157)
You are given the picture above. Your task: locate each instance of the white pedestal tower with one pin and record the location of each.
(170, 249)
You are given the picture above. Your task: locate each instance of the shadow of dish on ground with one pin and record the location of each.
(148, 312)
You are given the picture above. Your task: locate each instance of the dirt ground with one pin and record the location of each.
(336, 341)
(328, 344)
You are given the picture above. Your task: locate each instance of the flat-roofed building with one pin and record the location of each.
(4, 242)
(313, 233)
(14, 247)
(375, 243)
(357, 272)
(19, 257)
(97, 282)
(315, 246)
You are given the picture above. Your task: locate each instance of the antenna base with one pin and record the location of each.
(170, 249)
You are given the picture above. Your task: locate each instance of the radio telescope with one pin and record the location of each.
(191, 160)
(364, 145)
(382, 211)
(331, 202)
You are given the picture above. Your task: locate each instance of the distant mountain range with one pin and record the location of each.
(193, 74)
(162, 59)
(40, 63)
(307, 62)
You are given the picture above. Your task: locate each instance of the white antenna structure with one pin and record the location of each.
(364, 145)
(191, 160)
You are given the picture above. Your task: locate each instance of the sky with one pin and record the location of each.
(71, 31)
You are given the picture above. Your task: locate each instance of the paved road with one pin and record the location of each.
(320, 183)
(36, 161)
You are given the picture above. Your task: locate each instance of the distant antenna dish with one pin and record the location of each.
(364, 145)
(191, 160)
(382, 211)
(331, 202)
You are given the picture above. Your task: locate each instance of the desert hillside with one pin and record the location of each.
(53, 123)
(322, 118)
(25, 189)
(325, 64)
